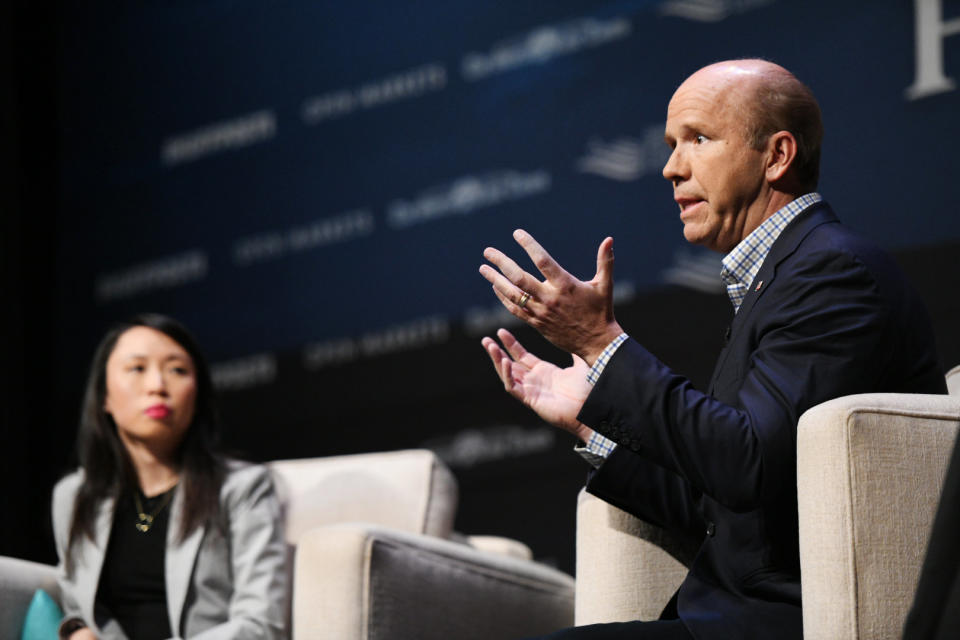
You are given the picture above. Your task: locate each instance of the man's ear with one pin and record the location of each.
(781, 153)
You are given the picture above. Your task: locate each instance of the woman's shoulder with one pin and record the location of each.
(68, 485)
(243, 480)
(64, 496)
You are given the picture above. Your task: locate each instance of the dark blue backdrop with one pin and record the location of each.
(309, 186)
(288, 116)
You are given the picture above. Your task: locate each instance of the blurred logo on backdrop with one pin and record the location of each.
(271, 245)
(234, 133)
(415, 334)
(543, 44)
(710, 10)
(472, 447)
(697, 269)
(243, 373)
(162, 273)
(402, 85)
(467, 194)
(626, 158)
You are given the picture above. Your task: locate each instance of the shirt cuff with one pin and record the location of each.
(594, 374)
(597, 449)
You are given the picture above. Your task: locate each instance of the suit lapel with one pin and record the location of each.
(179, 562)
(784, 246)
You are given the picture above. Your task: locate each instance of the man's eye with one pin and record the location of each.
(700, 139)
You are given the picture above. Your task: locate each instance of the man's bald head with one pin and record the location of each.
(772, 99)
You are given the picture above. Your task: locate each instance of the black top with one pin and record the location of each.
(132, 587)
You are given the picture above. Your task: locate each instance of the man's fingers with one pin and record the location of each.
(541, 259)
(506, 367)
(497, 355)
(510, 372)
(512, 345)
(513, 297)
(510, 305)
(605, 263)
(511, 271)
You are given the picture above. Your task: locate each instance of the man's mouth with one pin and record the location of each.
(686, 204)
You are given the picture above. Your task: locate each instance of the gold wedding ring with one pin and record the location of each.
(523, 300)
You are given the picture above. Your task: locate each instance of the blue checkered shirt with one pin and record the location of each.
(740, 267)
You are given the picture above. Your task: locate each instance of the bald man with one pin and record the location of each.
(819, 312)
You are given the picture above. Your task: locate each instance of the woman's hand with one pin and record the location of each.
(86, 633)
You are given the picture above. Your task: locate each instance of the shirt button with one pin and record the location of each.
(711, 529)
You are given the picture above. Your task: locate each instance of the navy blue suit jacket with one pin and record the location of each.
(829, 314)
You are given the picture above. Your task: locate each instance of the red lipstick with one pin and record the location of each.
(158, 411)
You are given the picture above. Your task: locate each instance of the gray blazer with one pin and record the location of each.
(232, 585)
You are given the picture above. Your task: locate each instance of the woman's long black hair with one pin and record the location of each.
(107, 470)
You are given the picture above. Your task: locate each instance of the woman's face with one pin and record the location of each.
(151, 389)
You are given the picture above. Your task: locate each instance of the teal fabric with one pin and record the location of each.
(43, 618)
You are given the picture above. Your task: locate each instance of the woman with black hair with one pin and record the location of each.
(158, 535)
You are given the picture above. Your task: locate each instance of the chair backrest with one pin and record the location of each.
(410, 490)
(953, 381)
(870, 469)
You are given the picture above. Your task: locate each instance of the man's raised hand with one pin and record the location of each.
(574, 315)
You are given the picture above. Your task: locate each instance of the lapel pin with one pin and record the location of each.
(759, 284)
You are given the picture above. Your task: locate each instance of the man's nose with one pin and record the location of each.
(674, 170)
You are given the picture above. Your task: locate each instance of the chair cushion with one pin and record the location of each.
(360, 582)
(408, 490)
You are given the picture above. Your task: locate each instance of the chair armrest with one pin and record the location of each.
(870, 469)
(498, 545)
(953, 381)
(358, 581)
(623, 570)
(19, 579)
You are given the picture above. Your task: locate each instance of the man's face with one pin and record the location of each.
(717, 177)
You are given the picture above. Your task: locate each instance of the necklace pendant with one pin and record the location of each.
(146, 521)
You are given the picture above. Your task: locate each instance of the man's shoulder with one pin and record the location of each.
(819, 237)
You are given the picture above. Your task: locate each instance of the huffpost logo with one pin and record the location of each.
(930, 32)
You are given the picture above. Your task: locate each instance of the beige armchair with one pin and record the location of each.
(376, 558)
(870, 469)
(953, 381)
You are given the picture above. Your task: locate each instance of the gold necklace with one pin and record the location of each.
(145, 520)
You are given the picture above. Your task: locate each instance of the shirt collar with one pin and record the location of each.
(741, 265)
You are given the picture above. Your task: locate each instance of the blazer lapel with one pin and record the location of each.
(180, 558)
(92, 556)
(784, 246)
